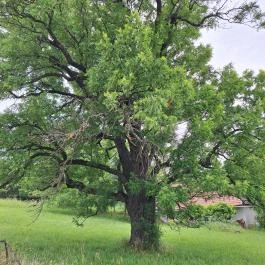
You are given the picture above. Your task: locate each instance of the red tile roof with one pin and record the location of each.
(214, 198)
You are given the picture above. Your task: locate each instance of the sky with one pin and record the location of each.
(240, 45)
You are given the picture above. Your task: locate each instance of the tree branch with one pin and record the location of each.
(95, 165)
(124, 157)
(206, 162)
(57, 44)
(50, 91)
(158, 11)
(80, 186)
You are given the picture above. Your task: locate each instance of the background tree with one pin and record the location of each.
(104, 88)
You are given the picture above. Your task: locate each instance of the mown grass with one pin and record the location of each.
(54, 239)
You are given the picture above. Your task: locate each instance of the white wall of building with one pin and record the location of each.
(248, 214)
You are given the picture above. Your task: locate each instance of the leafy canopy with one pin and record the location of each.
(117, 97)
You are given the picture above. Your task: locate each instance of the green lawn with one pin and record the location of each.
(53, 239)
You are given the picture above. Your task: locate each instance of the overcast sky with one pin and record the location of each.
(238, 44)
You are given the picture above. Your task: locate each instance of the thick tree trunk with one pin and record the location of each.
(144, 230)
(140, 206)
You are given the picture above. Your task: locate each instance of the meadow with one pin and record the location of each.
(54, 239)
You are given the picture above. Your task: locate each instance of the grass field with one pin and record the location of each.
(53, 239)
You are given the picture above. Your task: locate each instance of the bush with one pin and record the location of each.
(261, 217)
(191, 216)
(67, 198)
(196, 215)
(219, 212)
(80, 204)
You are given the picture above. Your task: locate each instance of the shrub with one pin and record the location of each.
(80, 204)
(261, 217)
(221, 212)
(191, 216)
(196, 215)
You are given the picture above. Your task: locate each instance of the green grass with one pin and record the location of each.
(53, 239)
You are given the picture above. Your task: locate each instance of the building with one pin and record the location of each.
(245, 212)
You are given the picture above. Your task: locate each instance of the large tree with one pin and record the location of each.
(117, 100)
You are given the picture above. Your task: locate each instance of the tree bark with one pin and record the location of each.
(141, 207)
(144, 230)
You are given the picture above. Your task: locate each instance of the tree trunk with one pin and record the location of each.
(144, 230)
(140, 206)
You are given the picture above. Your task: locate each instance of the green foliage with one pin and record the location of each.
(197, 215)
(152, 234)
(221, 212)
(261, 218)
(191, 216)
(167, 201)
(168, 198)
(104, 88)
(81, 205)
(67, 199)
